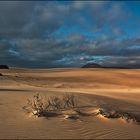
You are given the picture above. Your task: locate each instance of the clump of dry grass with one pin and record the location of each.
(69, 101)
(38, 106)
(54, 103)
(35, 106)
(115, 114)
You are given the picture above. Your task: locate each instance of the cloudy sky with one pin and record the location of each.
(69, 34)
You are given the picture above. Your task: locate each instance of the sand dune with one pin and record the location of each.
(94, 88)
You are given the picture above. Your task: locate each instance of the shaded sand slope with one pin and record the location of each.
(94, 88)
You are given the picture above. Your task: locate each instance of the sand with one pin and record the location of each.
(94, 88)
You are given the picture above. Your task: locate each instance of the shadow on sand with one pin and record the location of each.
(8, 89)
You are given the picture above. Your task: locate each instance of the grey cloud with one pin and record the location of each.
(133, 61)
(30, 19)
(53, 50)
(38, 19)
(14, 17)
(30, 25)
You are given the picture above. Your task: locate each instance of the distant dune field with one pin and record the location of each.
(94, 88)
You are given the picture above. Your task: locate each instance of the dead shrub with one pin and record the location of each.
(69, 101)
(40, 107)
(35, 106)
(54, 103)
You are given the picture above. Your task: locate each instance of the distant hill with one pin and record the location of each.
(4, 67)
(95, 65)
(92, 65)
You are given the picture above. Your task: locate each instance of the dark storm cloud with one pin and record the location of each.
(28, 39)
(69, 51)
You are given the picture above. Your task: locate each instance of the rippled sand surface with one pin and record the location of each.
(94, 88)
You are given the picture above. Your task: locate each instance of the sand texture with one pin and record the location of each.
(115, 89)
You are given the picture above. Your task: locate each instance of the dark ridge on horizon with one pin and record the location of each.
(4, 67)
(88, 65)
(95, 65)
(92, 65)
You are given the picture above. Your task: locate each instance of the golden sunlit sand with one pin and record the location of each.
(118, 89)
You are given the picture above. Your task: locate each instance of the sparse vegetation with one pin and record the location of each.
(114, 114)
(69, 101)
(35, 106)
(40, 107)
(54, 103)
(67, 106)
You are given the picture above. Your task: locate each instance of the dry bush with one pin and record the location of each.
(66, 102)
(37, 106)
(69, 101)
(54, 103)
